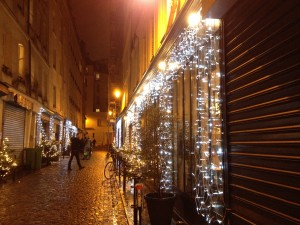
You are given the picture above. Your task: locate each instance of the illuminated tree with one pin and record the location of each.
(6, 159)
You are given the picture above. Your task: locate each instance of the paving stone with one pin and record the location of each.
(55, 196)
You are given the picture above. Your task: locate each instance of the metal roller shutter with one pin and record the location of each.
(14, 127)
(262, 66)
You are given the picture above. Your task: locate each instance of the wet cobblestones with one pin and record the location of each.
(54, 195)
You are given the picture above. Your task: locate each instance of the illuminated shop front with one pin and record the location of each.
(220, 100)
(178, 109)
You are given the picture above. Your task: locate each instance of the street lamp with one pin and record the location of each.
(112, 114)
(117, 93)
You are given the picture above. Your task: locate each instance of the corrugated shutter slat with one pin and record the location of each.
(262, 66)
(14, 127)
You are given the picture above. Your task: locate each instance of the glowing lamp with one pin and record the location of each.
(194, 19)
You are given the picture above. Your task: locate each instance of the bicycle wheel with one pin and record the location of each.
(109, 170)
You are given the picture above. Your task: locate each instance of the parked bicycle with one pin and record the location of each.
(110, 170)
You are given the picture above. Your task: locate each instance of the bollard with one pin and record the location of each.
(136, 208)
(139, 200)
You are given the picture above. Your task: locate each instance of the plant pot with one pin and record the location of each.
(160, 209)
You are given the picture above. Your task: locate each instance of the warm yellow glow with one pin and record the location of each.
(110, 113)
(117, 93)
(212, 24)
(194, 19)
(162, 65)
(88, 122)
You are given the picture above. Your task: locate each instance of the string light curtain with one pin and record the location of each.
(166, 131)
(208, 153)
(41, 133)
(197, 49)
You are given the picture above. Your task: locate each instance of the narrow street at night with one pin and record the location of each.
(53, 195)
(183, 112)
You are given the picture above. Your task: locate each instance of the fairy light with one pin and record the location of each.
(196, 49)
(69, 130)
(61, 125)
(51, 127)
(7, 161)
(45, 141)
(41, 133)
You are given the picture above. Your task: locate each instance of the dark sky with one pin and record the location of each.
(91, 22)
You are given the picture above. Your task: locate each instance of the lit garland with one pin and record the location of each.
(41, 134)
(166, 130)
(51, 126)
(6, 159)
(70, 130)
(61, 125)
(45, 141)
(208, 152)
(197, 49)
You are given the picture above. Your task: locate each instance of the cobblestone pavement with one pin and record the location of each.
(55, 196)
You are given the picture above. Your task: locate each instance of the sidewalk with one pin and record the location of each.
(128, 200)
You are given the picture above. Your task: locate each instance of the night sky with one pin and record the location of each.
(91, 22)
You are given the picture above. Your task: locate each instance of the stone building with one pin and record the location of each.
(41, 74)
(224, 76)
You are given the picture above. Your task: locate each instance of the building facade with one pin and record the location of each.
(103, 77)
(96, 124)
(223, 79)
(41, 74)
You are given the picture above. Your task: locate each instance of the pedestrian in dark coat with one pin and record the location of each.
(76, 147)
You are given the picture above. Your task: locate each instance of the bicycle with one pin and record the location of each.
(109, 169)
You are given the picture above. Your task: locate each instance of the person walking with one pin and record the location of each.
(76, 147)
(87, 148)
(94, 143)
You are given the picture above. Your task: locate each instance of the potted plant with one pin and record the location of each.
(49, 151)
(160, 203)
(7, 160)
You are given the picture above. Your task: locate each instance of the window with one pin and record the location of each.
(21, 58)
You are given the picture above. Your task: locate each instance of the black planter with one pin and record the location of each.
(160, 209)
